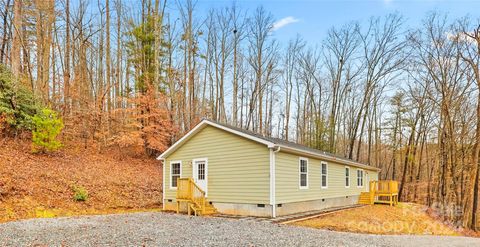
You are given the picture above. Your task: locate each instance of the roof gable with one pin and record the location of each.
(201, 126)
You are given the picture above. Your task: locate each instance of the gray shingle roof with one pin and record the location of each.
(288, 144)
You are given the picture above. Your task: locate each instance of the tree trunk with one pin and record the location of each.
(475, 161)
(17, 39)
(66, 66)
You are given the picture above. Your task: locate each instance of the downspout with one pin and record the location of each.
(273, 180)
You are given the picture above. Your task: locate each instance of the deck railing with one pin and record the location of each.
(188, 190)
(183, 189)
(384, 189)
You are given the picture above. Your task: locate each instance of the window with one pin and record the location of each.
(303, 167)
(201, 171)
(359, 178)
(347, 177)
(175, 173)
(324, 175)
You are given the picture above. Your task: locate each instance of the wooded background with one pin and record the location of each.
(405, 99)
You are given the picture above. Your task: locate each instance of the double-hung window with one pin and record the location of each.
(324, 175)
(175, 173)
(303, 170)
(359, 178)
(347, 177)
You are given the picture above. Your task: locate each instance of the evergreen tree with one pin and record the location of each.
(47, 127)
(17, 106)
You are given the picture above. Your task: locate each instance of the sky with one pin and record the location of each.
(311, 19)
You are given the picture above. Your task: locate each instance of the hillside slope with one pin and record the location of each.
(36, 185)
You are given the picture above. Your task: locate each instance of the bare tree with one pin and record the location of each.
(340, 49)
(290, 62)
(468, 37)
(382, 59)
(260, 50)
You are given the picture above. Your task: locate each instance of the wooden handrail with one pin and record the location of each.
(187, 189)
(372, 190)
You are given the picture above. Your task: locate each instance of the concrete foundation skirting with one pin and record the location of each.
(305, 206)
(258, 210)
(265, 210)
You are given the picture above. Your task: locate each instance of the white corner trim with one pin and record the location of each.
(272, 183)
(271, 174)
(205, 123)
(170, 173)
(300, 173)
(163, 184)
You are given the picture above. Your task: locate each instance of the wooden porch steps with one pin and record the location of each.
(209, 209)
(365, 198)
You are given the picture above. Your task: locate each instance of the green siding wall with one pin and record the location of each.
(238, 169)
(287, 185)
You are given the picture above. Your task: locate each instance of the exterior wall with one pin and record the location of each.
(287, 177)
(238, 169)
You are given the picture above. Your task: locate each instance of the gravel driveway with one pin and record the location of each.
(162, 229)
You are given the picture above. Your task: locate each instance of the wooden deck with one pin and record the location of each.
(383, 191)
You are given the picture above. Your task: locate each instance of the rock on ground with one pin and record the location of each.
(163, 229)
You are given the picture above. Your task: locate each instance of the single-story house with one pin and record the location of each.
(244, 173)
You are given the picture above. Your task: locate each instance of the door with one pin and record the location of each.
(200, 173)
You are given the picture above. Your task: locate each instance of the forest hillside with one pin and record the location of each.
(75, 181)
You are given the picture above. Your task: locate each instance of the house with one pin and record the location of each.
(243, 173)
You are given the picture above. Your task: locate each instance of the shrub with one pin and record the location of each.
(47, 126)
(80, 194)
(17, 104)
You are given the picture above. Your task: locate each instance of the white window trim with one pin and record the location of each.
(300, 173)
(321, 175)
(363, 178)
(170, 178)
(349, 176)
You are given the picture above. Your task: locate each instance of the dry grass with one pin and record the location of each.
(35, 185)
(406, 218)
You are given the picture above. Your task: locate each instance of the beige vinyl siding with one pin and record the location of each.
(373, 176)
(238, 168)
(287, 180)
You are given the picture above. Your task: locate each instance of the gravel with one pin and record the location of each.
(163, 229)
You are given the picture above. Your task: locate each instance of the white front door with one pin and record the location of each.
(200, 173)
